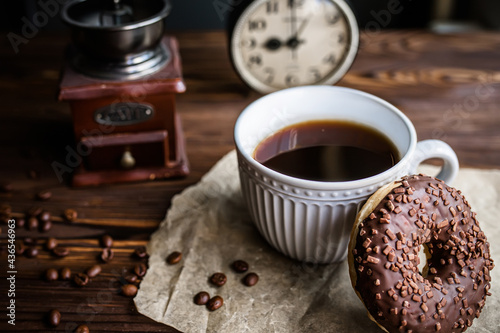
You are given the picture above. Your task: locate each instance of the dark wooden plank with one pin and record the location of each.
(447, 84)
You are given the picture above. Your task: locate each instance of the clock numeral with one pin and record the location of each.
(258, 24)
(255, 59)
(295, 3)
(272, 7)
(333, 18)
(248, 43)
(315, 74)
(269, 74)
(291, 80)
(329, 59)
(341, 38)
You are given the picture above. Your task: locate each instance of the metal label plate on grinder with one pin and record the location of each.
(122, 114)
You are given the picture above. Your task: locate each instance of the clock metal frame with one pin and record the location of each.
(256, 84)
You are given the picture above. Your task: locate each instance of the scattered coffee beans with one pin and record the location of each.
(94, 271)
(107, 254)
(106, 241)
(51, 274)
(51, 243)
(31, 252)
(82, 329)
(140, 270)
(34, 211)
(129, 290)
(45, 226)
(81, 279)
(32, 223)
(20, 223)
(250, 279)
(140, 252)
(240, 266)
(44, 215)
(70, 215)
(54, 317)
(30, 241)
(60, 251)
(214, 303)
(65, 273)
(201, 298)
(20, 248)
(44, 195)
(218, 279)
(130, 278)
(174, 258)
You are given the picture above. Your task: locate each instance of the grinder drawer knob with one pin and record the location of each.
(127, 161)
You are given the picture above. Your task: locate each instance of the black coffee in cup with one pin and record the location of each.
(327, 150)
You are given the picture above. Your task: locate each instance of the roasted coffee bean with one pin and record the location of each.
(70, 215)
(129, 290)
(240, 266)
(20, 248)
(31, 252)
(218, 279)
(54, 317)
(107, 254)
(30, 241)
(65, 273)
(141, 252)
(32, 223)
(201, 298)
(51, 243)
(140, 270)
(44, 215)
(82, 329)
(130, 278)
(34, 211)
(45, 226)
(81, 279)
(94, 271)
(44, 195)
(20, 222)
(174, 258)
(60, 251)
(51, 274)
(214, 303)
(106, 241)
(250, 279)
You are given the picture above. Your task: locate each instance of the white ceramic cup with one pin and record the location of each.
(311, 220)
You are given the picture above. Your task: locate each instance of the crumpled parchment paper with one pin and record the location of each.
(210, 225)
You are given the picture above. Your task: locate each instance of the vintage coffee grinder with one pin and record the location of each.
(120, 79)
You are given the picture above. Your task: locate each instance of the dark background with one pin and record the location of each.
(211, 14)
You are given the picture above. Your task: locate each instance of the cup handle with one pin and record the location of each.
(427, 149)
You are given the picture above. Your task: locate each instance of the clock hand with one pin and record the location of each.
(294, 41)
(293, 25)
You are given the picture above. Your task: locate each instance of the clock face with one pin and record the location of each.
(278, 44)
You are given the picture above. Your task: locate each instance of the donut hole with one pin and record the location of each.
(423, 257)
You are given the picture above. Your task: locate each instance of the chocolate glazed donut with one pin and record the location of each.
(384, 257)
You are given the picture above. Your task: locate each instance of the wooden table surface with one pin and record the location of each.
(448, 85)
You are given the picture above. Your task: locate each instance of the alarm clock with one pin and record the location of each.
(276, 44)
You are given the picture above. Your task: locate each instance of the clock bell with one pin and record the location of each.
(120, 79)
